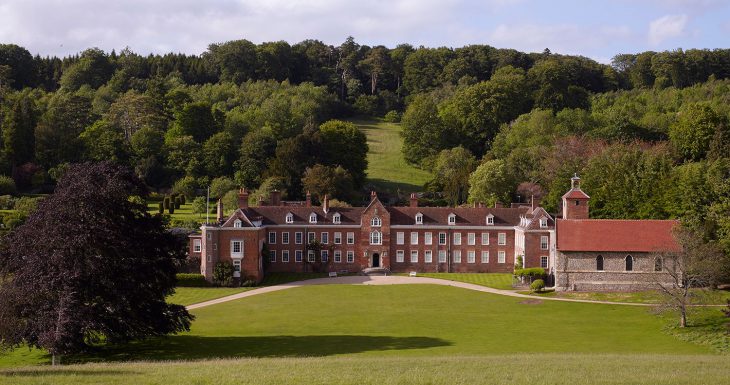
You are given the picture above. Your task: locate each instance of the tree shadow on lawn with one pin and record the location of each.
(199, 347)
(51, 371)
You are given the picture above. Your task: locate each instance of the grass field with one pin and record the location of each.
(716, 297)
(493, 280)
(184, 213)
(387, 170)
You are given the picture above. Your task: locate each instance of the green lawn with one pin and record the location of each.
(710, 297)
(387, 170)
(184, 213)
(190, 295)
(493, 280)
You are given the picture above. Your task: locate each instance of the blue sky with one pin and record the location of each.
(597, 29)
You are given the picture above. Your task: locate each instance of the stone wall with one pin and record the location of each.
(577, 271)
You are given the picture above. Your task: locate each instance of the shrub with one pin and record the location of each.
(13, 220)
(182, 199)
(185, 186)
(7, 185)
(223, 274)
(248, 283)
(538, 285)
(161, 208)
(26, 205)
(392, 117)
(185, 223)
(191, 280)
(7, 202)
(171, 209)
(177, 202)
(166, 203)
(531, 272)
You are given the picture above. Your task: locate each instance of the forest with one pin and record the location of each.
(648, 133)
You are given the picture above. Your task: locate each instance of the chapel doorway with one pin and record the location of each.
(376, 260)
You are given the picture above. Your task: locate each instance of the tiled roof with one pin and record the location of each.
(465, 216)
(616, 235)
(276, 215)
(576, 193)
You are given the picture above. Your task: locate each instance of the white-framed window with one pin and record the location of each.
(298, 238)
(457, 238)
(272, 254)
(400, 238)
(197, 245)
(399, 256)
(442, 256)
(297, 255)
(442, 238)
(237, 265)
(312, 218)
(376, 238)
(471, 239)
(285, 238)
(376, 222)
(350, 238)
(311, 237)
(236, 249)
(350, 256)
(428, 238)
(471, 256)
(428, 256)
(457, 256)
(414, 256)
(419, 219)
(336, 219)
(490, 220)
(338, 238)
(237, 223)
(338, 256)
(485, 239)
(285, 256)
(544, 242)
(325, 255)
(501, 256)
(502, 239)
(452, 219)
(290, 218)
(544, 261)
(543, 223)
(310, 256)
(414, 238)
(485, 256)
(272, 238)
(325, 236)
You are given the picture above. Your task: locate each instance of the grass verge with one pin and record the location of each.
(494, 280)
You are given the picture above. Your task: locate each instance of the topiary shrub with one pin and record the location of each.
(223, 274)
(177, 202)
(171, 209)
(537, 285)
(191, 280)
(182, 199)
(532, 272)
(166, 202)
(161, 208)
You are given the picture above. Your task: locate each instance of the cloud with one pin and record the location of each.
(666, 27)
(559, 38)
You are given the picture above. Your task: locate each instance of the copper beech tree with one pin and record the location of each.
(90, 265)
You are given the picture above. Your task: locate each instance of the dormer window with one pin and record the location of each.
(452, 219)
(543, 223)
(336, 219)
(238, 223)
(290, 218)
(490, 220)
(312, 218)
(376, 222)
(419, 219)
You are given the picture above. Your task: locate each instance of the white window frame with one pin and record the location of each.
(490, 220)
(311, 236)
(543, 223)
(502, 239)
(197, 245)
(485, 239)
(238, 224)
(456, 254)
(400, 238)
(336, 219)
(547, 261)
(285, 238)
(312, 218)
(442, 256)
(236, 254)
(376, 222)
(442, 238)
(414, 237)
(298, 256)
(471, 256)
(324, 255)
(501, 256)
(452, 219)
(338, 238)
(298, 237)
(338, 256)
(485, 256)
(285, 256)
(272, 255)
(350, 238)
(471, 239)
(324, 237)
(376, 237)
(414, 256)
(428, 256)
(289, 218)
(311, 256)
(544, 242)
(400, 256)
(456, 238)
(428, 238)
(272, 237)
(419, 219)
(350, 256)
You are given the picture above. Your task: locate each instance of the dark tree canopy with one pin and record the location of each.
(101, 272)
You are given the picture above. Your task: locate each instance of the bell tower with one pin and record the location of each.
(575, 201)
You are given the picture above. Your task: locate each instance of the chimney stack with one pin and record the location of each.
(414, 200)
(309, 200)
(219, 210)
(373, 195)
(242, 198)
(275, 198)
(261, 202)
(326, 204)
(498, 205)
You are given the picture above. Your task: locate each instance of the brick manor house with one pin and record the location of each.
(578, 253)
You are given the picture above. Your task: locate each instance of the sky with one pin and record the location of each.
(596, 29)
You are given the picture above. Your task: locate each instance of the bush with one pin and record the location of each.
(7, 185)
(171, 209)
(538, 285)
(161, 208)
(177, 202)
(223, 274)
(7, 202)
(191, 280)
(392, 117)
(366, 105)
(26, 205)
(191, 224)
(185, 186)
(166, 203)
(248, 283)
(531, 272)
(182, 199)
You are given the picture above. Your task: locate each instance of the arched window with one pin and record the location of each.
(658, 264)
(629, 263)
(599, 263)
(336, 219)
(312, 218)
(376, 238)
(289, 218)
(376, 222)
(419, 219)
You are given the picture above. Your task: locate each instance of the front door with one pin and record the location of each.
(376, 260)
(236, 268)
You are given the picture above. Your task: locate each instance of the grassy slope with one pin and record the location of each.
(387, 170)
(716, 297)
(190, 295)
(185, 212)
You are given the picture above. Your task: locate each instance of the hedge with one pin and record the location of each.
(530, 272)
(191, 280)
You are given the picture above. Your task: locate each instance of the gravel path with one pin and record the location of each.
(394, 280)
